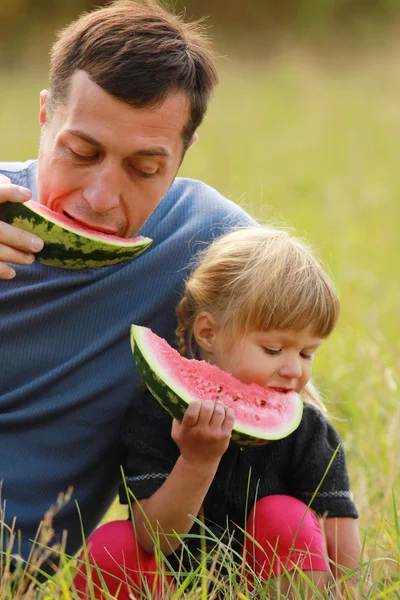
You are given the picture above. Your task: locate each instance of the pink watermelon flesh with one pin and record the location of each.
(257, 408)
(72, 225)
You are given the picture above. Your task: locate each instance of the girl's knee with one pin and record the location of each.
(111, 544)
(280, 514)
(113, 556)
(288, 533)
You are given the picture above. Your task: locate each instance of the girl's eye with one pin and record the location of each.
(306, 356)
(271, 351)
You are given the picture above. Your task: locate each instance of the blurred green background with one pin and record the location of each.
(303, 131)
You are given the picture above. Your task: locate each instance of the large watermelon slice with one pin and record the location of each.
(261, 413)
(67, 244)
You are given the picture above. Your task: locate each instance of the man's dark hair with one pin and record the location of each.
(138, 52)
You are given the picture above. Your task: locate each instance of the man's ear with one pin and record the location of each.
(44, 94)
(205, 329)
(194, 139)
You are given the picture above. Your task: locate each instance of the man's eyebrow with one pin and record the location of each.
(85, 137)
(153, 152)
(159, 151)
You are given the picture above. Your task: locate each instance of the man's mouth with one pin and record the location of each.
(90, 226)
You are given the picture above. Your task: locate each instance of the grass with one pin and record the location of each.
(311, 142)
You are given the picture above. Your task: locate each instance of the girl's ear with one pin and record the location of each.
(205, 329)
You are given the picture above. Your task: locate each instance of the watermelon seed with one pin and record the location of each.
(219, 388)
(263, 402)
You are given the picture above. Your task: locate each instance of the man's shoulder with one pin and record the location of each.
(16, 166)
(19, 172)
(188, 186)
(193, 195)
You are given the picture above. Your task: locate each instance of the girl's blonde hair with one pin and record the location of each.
(255, 279)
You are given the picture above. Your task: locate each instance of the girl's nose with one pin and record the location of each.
(291, 368)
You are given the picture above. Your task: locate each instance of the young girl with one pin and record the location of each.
(259, 306)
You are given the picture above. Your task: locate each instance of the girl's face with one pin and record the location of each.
(281, 359)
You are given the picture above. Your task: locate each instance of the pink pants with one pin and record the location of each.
(283, 533)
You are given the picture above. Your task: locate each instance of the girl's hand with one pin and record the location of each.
(205, 431)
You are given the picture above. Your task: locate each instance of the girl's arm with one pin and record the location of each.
(344, 548)
(202, 438)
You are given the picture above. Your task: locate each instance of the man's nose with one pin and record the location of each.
(103, 191)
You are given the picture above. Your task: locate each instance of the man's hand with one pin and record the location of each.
(205, 431)
(16, 246)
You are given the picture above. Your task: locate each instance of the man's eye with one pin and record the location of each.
(146, 175)
(271, 351)
(141, 173)
(83, 157)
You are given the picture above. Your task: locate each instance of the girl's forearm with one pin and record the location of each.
(344, 551)
(166, 511)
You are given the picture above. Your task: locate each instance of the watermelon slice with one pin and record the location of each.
(261, 413)
(67, 244)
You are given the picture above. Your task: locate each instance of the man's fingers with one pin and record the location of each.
(19, 240)
(16, 246)
(13, 193)
(6, 272)
(15, 256)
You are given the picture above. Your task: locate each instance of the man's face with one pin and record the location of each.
(104, 163)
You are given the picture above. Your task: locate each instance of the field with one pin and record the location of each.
(312, 143)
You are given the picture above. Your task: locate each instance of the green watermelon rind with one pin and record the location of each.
(65, 248)
(175, 399)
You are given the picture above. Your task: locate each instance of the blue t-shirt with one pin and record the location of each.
(67, 377)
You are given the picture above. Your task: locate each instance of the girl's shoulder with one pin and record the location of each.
(312, 416)
(315, 426)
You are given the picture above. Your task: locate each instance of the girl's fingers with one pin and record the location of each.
(209, 414)
(229, 421)
(218, 416)
(191, 416)
(206, 413)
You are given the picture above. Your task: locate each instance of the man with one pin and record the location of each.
(129, 85)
